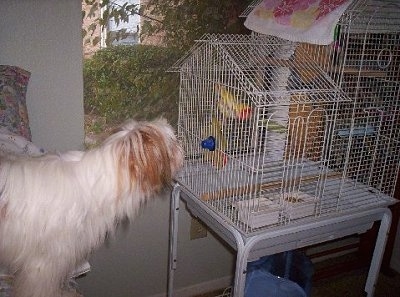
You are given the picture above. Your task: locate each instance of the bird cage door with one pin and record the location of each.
(369, 42)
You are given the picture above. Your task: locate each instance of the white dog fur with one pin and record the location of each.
(54, 210)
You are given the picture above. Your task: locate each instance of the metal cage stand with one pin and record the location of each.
(279, 239)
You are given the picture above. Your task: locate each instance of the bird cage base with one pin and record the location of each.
(268, 212)
(299, 206)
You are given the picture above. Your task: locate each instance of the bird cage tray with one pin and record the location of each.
(299, 206)
(265, 211)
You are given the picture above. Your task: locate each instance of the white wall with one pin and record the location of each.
(44, 37)
(134, 262)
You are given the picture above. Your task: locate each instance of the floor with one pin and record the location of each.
(347, 284)
(351, 284)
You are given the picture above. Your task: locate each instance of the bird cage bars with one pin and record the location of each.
(364, 62)
(278, 132)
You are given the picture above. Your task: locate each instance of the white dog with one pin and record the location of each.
(54, 210)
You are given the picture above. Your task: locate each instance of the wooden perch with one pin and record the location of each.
(252, 189)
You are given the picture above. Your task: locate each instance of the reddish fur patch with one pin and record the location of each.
(155, 167)
(149, 167)
(3, 211)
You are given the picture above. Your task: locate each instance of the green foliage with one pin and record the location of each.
(122, 82)
(180, 22)
(183, 21)
(131, 81)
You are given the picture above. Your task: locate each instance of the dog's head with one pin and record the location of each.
(148, 155)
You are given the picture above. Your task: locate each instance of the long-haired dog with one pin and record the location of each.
(54, 210)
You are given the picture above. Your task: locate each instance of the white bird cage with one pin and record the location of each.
(277, 132)
(364, 61)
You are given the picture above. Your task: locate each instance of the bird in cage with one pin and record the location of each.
(230, 106)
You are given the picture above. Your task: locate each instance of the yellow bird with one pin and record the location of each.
(216, 131)
(230, 106)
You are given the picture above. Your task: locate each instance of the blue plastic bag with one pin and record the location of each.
(260, 283)
(287, 274)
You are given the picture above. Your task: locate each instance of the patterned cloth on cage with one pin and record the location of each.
(311, 21)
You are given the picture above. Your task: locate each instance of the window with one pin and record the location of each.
(131, 35)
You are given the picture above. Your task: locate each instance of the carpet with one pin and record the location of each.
(348, 284)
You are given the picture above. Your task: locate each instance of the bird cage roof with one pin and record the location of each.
(253, 62)
(369, 16)
(249, 8)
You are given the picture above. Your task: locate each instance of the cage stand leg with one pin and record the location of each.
(243, 252)
(281, 239)
(240, 272)
(244, 249)
(379, 250)
(173, 238)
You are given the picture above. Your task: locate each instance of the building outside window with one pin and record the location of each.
(131, 27)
